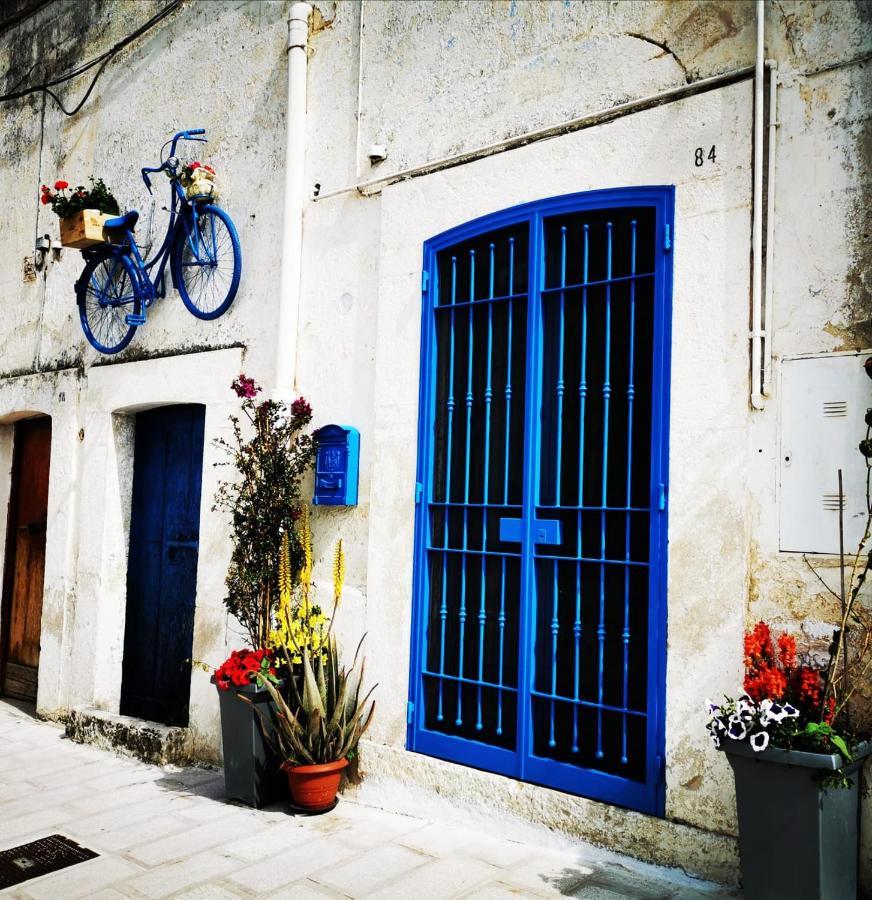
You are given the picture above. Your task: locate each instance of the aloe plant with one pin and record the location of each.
(324, 722)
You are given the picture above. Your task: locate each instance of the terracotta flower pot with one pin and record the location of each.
(314, 787)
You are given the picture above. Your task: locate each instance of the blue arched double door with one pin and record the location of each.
(539, 596)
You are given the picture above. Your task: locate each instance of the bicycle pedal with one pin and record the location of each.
(135, 319)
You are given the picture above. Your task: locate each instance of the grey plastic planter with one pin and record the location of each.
(251, 771)
(796, 839)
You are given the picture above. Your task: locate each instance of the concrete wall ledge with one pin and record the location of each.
(149, 741)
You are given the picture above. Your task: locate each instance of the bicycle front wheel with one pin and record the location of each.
(106, 295)
(207, 262)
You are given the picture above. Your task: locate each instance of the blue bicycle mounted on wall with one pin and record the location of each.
(117, 286)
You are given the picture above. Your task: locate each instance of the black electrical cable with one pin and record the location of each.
(102, 60)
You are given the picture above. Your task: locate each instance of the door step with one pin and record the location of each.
(20, 682)
(149, 741)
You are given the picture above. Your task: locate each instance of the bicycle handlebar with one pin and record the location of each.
(186, 136)
(145, 172)
(178, 136)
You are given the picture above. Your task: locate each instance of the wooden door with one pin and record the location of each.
(25, 559)
(162, 564)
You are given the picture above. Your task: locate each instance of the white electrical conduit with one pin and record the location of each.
(540, 134)
(757, 401)
(292, 220)
(766, 387)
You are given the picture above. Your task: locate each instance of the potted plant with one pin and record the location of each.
(270, 452)
(321, 713)
(198, 180)
(797, 740)
(82, 212)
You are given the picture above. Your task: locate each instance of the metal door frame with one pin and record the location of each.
(647, 796)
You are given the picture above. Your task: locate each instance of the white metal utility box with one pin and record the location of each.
(823, 406)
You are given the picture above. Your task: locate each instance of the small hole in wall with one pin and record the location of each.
(787, 459)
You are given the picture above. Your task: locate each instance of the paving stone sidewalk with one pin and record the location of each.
(168, 832)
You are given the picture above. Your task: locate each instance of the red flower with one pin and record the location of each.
(246, 388)
(209, 169)
(241, 666)
(758, 645)
(766, 681)
(45, 198)
(46, 189)
(195, 165)
(787, 650)
(61, 185)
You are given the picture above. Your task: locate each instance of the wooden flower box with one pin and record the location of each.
(84, 229)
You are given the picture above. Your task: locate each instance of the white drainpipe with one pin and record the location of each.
(757, 400)
(772, 65)
(292, 220)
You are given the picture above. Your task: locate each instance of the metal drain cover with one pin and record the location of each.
(48, 854)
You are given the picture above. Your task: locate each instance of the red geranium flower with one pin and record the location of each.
(61, 185)
(241, 666)
(46, 198)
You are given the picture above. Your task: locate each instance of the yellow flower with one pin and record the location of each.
(338, 573)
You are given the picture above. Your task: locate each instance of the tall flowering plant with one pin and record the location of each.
(300, 623)
(271, 452)
(782, 703)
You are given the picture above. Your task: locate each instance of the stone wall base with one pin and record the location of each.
(395, 779)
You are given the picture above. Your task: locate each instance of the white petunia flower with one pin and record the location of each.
(776, 712)
(790, 711)
(737, 730)
(759, 741)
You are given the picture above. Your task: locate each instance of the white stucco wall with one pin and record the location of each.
(429, 80)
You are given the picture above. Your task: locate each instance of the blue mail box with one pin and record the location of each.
(337, 464)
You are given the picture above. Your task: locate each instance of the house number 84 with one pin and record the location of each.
(700, 156)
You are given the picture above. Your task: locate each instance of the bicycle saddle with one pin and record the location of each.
(127, 221)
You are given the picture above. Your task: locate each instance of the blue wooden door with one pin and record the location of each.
(162, 564)
(539, 600)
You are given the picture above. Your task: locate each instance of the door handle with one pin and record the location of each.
(545, 531)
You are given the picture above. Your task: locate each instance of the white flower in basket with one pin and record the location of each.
(201, 184)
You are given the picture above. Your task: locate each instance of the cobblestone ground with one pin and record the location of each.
(167, 832)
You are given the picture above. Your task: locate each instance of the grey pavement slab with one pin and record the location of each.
(169, 832)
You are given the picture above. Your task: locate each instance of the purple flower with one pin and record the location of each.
(246, 388)
(301, 409)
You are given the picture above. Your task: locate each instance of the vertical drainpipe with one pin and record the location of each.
(292, 219)
(757, 399)
(769, 327)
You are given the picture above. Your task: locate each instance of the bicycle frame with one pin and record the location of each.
(182, 212)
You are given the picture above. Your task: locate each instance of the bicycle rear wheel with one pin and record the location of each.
(207, 262)
(106, 294)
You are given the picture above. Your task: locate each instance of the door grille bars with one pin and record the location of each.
(559, 570)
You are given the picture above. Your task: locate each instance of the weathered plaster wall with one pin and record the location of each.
(175, 77)
(430, 80)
